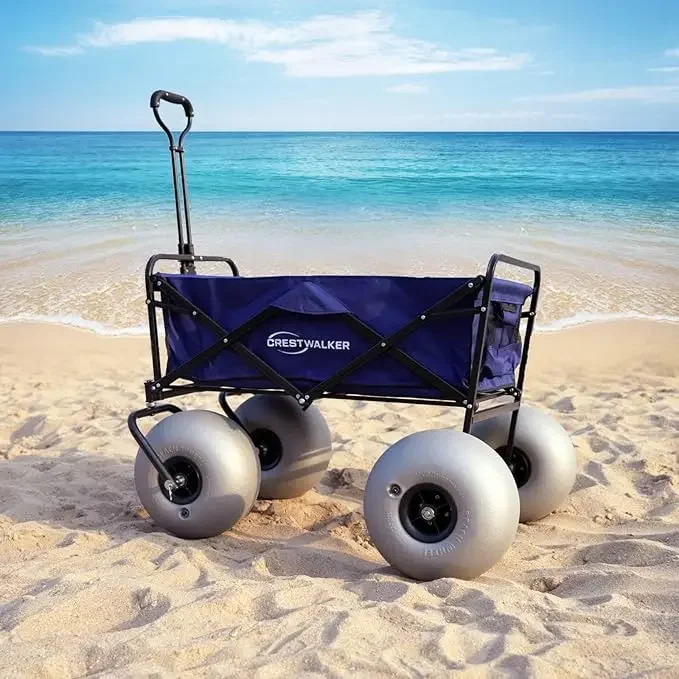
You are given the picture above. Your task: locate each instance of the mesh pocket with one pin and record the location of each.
(503, 344)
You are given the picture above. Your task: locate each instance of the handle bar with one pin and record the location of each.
(172, 98)
(185, 245)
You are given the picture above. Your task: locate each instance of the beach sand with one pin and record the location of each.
(89, 586)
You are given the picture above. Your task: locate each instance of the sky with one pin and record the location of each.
(342, 64)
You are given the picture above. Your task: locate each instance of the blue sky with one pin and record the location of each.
(343, 65)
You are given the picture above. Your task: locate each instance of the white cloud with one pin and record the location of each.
(324, 46)
(667, 69)
(664, 69)
(648, 93)
(408, 88)
(56, 51)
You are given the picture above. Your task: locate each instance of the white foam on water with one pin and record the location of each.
(587, 318)
(78, 322)
(580, 318)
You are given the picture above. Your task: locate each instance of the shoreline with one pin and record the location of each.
(599, 347)
(578, 320)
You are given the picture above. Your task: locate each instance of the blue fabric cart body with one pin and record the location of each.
(314, 326)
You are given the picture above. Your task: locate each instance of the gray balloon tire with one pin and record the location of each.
(549, 450)
(306, 443)
(479, 483)
(227, 463)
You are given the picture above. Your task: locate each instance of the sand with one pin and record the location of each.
(89, 586)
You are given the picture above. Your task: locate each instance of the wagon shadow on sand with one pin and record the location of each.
(86, 493)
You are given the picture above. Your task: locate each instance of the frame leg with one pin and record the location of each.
(228, 410)
(512, 432)
(143, 441)
(472, 416)
(468, 420)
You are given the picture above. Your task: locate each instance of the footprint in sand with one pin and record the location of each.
(625, 447)
(582, 482)
(598, 444)
(345, 478)
(653, 484)
(82, 609)
(564, 405)
(665, 509)
(620, 628)
(596, 600)
(476, 603)
(636, 553)
(545, 584)
(610, 420)
(595, 470)
(33, 435)
(315, 563)
(332, 629)
(490, 651)
(32, 426)
(152, 605)
(441, 588)
(606, 396)
(383, 591)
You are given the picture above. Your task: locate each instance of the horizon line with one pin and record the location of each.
(385, 131)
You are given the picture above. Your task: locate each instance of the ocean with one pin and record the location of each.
(81, 212)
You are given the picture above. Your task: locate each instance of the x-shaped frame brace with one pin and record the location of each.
(381, 345)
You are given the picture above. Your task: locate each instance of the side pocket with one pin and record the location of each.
(503, 344)
(504, 319)
(502, 361)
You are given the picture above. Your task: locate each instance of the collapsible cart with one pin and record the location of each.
(438, 502)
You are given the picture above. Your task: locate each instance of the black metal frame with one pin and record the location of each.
(164, 386)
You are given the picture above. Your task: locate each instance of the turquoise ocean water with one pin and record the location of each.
(81, 212)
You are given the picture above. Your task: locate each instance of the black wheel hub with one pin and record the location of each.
(518, 463)
(428, 513)
(187, 478)
(269, 446)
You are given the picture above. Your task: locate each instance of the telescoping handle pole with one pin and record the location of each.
(185, 244)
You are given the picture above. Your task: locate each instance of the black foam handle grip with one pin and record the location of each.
(172, 98)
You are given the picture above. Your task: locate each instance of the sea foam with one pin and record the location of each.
(578, 319)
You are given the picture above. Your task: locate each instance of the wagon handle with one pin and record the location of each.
(172, 98)
(185, 243)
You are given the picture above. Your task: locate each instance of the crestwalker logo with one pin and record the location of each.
(291, 343)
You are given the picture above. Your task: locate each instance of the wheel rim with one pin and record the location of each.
(428, 513)
(518, 463)
(269, 447)
(187, 478)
